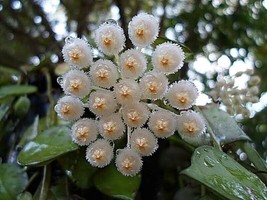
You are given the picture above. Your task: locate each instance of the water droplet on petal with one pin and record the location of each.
(59, 80)
(243, 156)
(209, 162)
(198, 153)
(111, 21)
(69, 39)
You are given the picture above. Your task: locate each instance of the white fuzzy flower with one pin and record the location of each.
(168, 58)
(182, 94)
(102, 102)
(76, 83)
(190, 126)
(110, 38)
(143, 142)
(69, 108)
(135, 114)
(143, 29)
(84, 131)
(111, 127)
(127, 91)
(153, 85)
(104, 73)
(128, 162)
(99, 153)
(132, 63)
(162, 123)
(76, 52)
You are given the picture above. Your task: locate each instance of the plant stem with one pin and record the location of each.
(45, 182)
(52, 118)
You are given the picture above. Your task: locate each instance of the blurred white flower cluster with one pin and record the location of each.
(236, 99)
(126, 96)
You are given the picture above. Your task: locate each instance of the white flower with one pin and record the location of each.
(135, 114)
(102, 102)
(69, 108)
(168, 58)
(104, 73)
(162, 123)
(143, 29)
(128, 162)
(127, 91)
(110, 38)
(76, 52)
(111, 127)
(84, 131)
(182, 94)
(153, 85)
(132, 63)
(190, 126)
(76, 83)
(143, 142)
(99, 153)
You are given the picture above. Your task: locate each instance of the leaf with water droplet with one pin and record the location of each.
(223, 125)
(46, 146)
(222, 174)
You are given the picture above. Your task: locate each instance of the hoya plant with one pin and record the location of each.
(118, 109)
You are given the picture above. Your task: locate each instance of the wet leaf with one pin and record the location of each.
(222, 174)
(223, 125)
(12, 181)
(16, 90)
(78, 169)
(48, 145)
(111, 182)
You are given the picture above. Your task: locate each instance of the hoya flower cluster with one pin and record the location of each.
(234, 98)
(124, 95)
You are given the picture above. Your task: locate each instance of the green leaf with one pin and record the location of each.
(224, 175)
(112, 183)
(78, 169)
(12, 181)
(223, 125)
(16, 90)
(48, 145)
(24, 196)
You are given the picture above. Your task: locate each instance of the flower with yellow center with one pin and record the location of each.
(168, 58)
(99, 153)
(77, 53)
(110, 38)
(104, 73)
(111, 127)
(132, 64)
(76, 83)
(190, 126)
(143, 142)
(153, 85)
(102, 102)
(128, 162)
(84, 131)
(69, 108)
(127, 91)
(162, 123)
(182, 94)
(143, 29)
(135, 114)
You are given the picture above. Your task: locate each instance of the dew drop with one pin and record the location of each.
(198, 154)
(111, 21)
(69, 39)
(60, 80)
(208, 162)
(243, 156)
(224, 157)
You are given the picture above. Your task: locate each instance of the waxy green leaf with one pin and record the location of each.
(222, 174)
(12, 181)
(111, 182)
(46, 146)
(223, 125)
